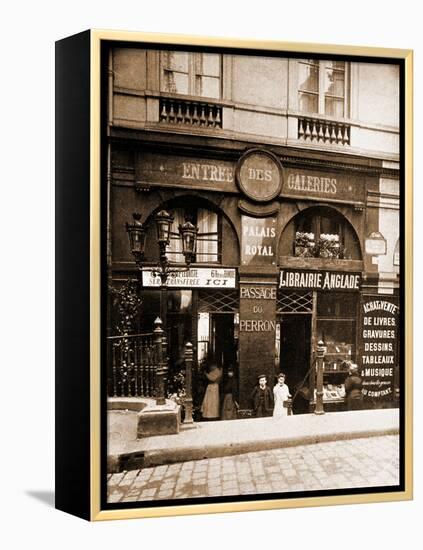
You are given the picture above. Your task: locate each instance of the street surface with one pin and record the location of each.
(367, 462)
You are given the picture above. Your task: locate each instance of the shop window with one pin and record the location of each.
(196, 74)
(324, 233)
(208, 237)
(336, 327)
(322, 87)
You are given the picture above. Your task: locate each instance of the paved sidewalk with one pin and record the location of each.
(224, 438)
(367, 462)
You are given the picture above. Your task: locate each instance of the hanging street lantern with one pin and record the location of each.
(163, 224)
(137, 237)
(188, 233)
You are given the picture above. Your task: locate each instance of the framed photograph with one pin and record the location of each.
(234, 249)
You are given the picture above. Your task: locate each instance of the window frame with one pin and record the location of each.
(315, 219)
(194, 59)
(174, 256)
(320, 93)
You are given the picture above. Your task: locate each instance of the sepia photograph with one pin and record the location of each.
(252, 245)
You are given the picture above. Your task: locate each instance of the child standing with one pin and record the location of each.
(281, 394)
(262, 398)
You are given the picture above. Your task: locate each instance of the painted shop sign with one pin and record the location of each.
(258, 241)
(257, 329)
(180, 171)
(312, 184)
(259, 175)
(378, 355)
(253, 299)
(319, 280)
(194, 278)
(375, 244)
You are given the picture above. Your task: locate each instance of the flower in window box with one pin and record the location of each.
(328, 246)
(304, 244)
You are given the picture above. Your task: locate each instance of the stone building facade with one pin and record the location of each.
(290, 169)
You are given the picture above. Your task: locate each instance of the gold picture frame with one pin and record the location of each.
(80, 484)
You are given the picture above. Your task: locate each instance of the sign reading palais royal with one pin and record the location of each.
(258, 241)
(258, 173)
(319, 280)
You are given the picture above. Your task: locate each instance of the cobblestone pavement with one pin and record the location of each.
(369, 462)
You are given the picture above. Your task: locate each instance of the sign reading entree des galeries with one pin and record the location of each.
(258, 174)
(319, 280)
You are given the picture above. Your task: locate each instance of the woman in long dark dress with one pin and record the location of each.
(229, 405)
(353, 389)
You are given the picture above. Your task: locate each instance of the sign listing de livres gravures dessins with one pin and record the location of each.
(201, 277)
(220, 175)
(378, 352)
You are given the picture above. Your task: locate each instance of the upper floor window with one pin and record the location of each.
(191, 73)
(322, 87)
(208, 237)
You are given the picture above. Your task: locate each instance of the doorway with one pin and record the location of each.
(217, 341)
(295, 347)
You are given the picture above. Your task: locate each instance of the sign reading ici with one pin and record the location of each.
(258, 241)
(201, 277)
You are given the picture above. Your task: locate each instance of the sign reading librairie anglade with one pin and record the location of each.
(378, 354)
(258, 246)
(319, 280)
(201, 277)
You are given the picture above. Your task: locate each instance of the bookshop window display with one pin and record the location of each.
(336, 326)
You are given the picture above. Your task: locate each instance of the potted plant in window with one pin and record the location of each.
(304, 244)
(328, 246)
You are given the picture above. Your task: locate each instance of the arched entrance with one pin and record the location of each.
(318, 299)
(202, 306)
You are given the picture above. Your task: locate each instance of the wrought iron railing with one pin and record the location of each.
(132, 365)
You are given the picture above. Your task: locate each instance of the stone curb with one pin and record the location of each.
(142, 459)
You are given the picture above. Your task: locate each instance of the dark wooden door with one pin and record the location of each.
(295, 348)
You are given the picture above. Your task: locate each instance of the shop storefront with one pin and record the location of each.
(279, 266)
